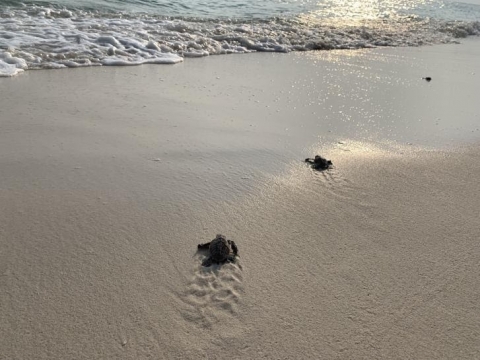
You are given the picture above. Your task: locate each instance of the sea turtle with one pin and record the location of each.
(319, 163)
(220, 250)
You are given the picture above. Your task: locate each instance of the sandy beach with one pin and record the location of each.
(111, 176)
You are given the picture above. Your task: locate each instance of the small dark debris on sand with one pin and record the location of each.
(319, 163)
(428, 78)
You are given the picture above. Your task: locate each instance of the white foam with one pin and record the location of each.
(9, 59)
(105, 40)
(161, 59)
(7, 70)
(39, 37)
(11, 66)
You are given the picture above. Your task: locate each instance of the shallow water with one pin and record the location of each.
(215, 9)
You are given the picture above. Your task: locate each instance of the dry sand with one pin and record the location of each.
(110, 177)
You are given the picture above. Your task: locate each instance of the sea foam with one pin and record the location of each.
(10, 66)
(36, 37)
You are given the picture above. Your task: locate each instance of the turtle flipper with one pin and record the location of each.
(234, 247)
(205, 246)
(207, 262)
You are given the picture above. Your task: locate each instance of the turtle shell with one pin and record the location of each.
(219, 249)
(321, 163)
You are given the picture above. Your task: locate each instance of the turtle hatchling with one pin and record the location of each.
(220, 251)
(319, 163)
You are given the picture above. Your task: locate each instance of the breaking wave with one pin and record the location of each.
(40, 37)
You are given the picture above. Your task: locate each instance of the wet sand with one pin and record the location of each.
(110, 177)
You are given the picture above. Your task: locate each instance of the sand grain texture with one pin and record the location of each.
(109, 178)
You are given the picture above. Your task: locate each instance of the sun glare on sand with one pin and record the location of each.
(344, 154)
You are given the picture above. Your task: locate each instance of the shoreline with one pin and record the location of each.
(349, 92)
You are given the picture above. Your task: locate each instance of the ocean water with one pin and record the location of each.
(65, 33)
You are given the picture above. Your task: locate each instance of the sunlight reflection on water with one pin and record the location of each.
(265, 9)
